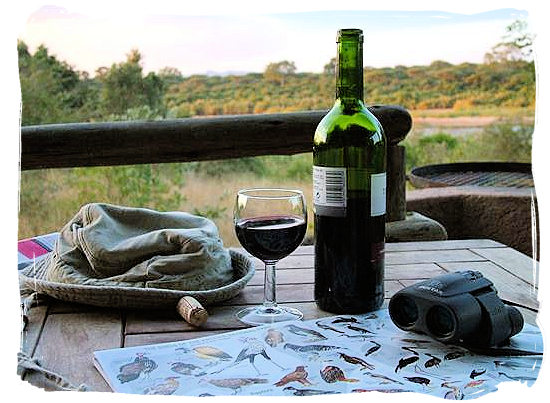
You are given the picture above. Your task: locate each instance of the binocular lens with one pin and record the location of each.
(516, 320)
(440, 321)
(403, 311)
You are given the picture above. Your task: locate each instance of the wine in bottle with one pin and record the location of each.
(349, 192)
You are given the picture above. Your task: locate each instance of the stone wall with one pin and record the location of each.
(502, 214)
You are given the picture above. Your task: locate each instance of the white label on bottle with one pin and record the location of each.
(329, 186)
(377, 194)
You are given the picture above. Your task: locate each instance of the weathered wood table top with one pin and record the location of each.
(63, 336)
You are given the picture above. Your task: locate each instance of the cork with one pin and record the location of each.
(192, 311)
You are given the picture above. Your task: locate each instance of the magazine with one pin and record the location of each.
(32, 250)
(337, 354)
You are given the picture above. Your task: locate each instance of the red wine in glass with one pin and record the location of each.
(271, 238)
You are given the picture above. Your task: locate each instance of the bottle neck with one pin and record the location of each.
(349, 71)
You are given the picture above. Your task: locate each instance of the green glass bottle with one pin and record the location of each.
(349, 192)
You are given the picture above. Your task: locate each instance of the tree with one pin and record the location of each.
(22, 51)
(277, 72)
(41, 98)
(51, 90)
(516, 45)
(170, 76)
(153, 90)
(124, 87)
(64, 74)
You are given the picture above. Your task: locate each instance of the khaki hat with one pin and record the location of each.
(125, 257)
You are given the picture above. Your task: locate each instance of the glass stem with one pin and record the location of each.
(270, 299)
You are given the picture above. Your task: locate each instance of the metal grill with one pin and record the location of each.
(495, 179)
(490, 174)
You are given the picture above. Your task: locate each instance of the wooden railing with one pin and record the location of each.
(202, 139)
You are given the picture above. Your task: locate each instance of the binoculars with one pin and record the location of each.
(458, 308)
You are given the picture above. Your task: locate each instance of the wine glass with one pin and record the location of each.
(270, 224)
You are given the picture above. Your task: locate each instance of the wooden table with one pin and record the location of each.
(62, 336)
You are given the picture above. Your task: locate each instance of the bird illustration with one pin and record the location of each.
(477, 372)
(132, 370)
(253, 348)
(373, 349)
(327, 327)
(358, 336)
(233, 383)
(359, 329)
(418, 379)
(309, 392)
(474, 383)
(300, 331)
(517, 378)
(356, 361)
(309, 351)
(274, 337)
(208, 353)
(341, 319)
(454, 393)
(182, 367)
(298, 375)
(411, 350)
(433, 361)
(331, 374)
(167, 387)
(453, 355)
(309, 347)
(403, 362)
(384, 378)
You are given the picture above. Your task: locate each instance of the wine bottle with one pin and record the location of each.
(349, 192)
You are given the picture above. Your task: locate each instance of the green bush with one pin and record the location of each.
(431, 149)
(447, 140)
(507, 140)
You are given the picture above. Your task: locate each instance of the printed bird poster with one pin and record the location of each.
(332, 355)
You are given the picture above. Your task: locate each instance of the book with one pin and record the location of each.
(330, 355)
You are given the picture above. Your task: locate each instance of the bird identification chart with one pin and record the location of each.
(337, 354)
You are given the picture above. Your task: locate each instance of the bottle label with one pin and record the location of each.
(330, 187)
(329, 191)
(378, 194)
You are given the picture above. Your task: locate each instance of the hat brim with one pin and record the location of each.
(144, 298)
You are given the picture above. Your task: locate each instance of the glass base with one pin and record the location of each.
(261, 315)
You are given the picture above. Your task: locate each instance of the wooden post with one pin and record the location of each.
(396, 205)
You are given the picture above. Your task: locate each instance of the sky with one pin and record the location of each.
(228, 43)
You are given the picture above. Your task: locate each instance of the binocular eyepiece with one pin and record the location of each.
(460, 307)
